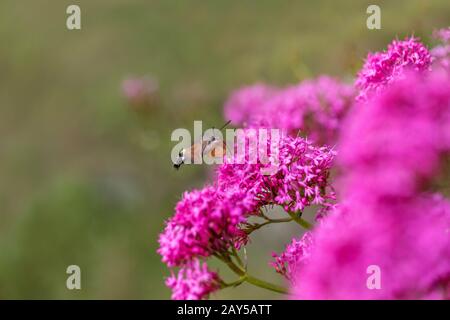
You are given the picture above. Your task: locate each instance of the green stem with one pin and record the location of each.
(244, 276)
(280, 220)
(227, 260)
(266, 285)
(232, 284)
(305, 224)
(271, 220)
(255, 227)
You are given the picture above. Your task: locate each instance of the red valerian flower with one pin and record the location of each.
(296, 254)
(381, 68)
(205, 222)
(194, 281)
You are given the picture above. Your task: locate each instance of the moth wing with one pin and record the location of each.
(194, 152)
(215, 149)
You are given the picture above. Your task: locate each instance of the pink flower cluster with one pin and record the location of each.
(442, 34)
(193, 282)
(205, 221)
(299, 179)
(296, 254)
(243, 103)
(313, 107)
(407, 240)
(210, 220)
(394, 142)
(381, 68)
(390, 152)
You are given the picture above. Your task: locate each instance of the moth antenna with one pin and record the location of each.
(225, 125)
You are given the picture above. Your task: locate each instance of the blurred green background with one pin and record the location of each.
(85, 180)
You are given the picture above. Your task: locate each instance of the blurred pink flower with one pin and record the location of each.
(408, 240)
(390, 151)
(441, 56)
(441, 53)
(442, 34)
(140, 92)
(245, 102)
(313, 107)
(393, 145)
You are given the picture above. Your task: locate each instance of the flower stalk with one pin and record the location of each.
(245, 277)
(297, 218)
